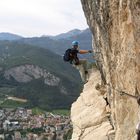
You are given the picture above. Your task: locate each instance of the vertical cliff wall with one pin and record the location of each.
(116, 28)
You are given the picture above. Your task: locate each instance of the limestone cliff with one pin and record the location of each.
(89, 112)
(116, 28)
(26, 73)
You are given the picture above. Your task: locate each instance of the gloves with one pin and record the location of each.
(90, 51)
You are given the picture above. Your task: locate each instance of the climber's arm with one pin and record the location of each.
(84, 51)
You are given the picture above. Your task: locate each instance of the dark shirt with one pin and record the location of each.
(74, 51)
(75, 59)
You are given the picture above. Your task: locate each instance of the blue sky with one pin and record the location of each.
(41, 17)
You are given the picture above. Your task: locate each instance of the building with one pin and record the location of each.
(17, 136)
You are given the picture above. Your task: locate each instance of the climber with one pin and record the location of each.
(138, 131)
(80, 64)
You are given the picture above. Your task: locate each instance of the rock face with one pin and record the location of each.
(89, 113)
(116, 28)
(26, 73)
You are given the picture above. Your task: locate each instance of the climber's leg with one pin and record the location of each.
(83, 69)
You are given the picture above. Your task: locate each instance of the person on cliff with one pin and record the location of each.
(71, 55)
(138, 131)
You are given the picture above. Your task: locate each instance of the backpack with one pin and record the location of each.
(70, 57)
(67, 55)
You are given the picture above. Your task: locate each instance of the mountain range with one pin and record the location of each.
(57, 44)
(67, 35)
(38, 75)
(9, 36)
(33, 68)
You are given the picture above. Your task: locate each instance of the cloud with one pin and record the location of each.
(37, 17)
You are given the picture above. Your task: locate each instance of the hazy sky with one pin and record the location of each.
(41, 17)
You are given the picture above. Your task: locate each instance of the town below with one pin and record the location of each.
(27, 124)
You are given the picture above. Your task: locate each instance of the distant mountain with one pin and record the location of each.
(63, 41)
(57, 44)
(9, 36)
(33, 68)
(67, 35)
(38, 75)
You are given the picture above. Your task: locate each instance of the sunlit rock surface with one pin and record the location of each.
(89, 113)
(115, 25)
